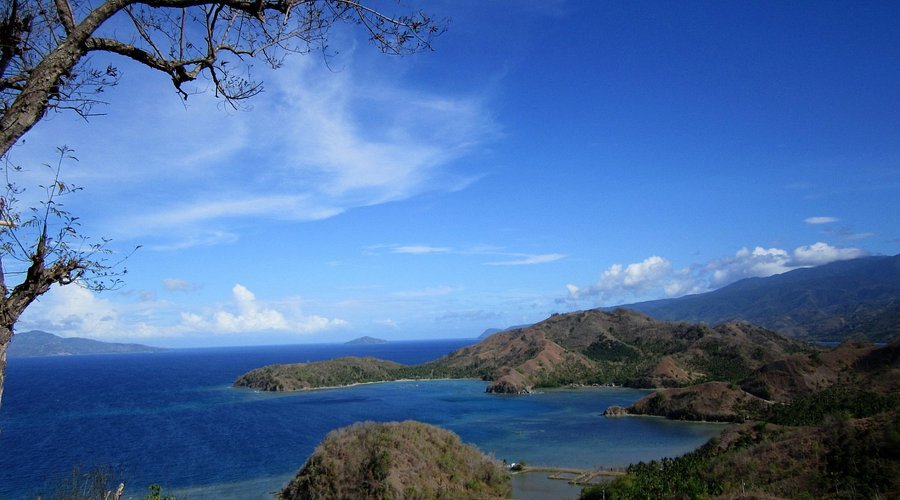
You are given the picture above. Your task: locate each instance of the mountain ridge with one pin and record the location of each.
(586, 347)
(40, 343)
(832, 302)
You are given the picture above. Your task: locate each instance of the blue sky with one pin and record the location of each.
(547, 156)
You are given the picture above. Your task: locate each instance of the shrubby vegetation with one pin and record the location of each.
(331, 373)
(97, 483)
(835, 400)
(340, 372)
(680, 477)
(397, 460)
(840, 442)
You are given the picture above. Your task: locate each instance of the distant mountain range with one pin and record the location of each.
(852, 298)
(38, 343)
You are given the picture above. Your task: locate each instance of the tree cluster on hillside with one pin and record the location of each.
(842, 456)
(836, 435)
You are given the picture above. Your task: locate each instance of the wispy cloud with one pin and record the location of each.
(821, 220)
(314, 145)
(179, 285)
(508, 258)
(420, 249)
(847, 233)
(528, 260)
(438, 291)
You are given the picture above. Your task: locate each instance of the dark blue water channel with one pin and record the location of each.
(173, 418)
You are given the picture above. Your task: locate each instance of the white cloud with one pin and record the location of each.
(822, 253)
(746, 263)
(820, 220)
(639, 274)
(251, 316)
(73, 311)
(655, 278)
(528, 260)
(630, 280)
(762, 262)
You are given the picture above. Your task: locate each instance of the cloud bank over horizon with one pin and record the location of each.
(655, 277)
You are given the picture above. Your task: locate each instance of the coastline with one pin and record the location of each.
(266, 442)
(354, 384)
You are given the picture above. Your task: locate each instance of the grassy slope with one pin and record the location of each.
(332, 373)
(837, 436)
(589, 347)
(397, 460)
(842, 455)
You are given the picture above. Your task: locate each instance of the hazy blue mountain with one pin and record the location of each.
(852, 298)
(38, 343)
(366, 341)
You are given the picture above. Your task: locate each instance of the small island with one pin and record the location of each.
(366, 340)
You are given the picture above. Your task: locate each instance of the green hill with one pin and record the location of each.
(397, 460)
(587, 347)
(832, 430)
(621, 347)
(833, 302)
(331, 373)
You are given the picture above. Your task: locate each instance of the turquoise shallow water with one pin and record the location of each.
(173, 418)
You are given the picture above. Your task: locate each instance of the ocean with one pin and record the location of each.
(173, 418)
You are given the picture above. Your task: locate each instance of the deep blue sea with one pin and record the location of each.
(173, 418)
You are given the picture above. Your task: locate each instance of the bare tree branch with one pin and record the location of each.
(64, 12)
(44, 46)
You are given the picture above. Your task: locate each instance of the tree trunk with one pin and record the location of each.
(5, 337)
(31, 104)
(34, 100)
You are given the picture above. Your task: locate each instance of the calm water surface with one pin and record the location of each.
(173, 418)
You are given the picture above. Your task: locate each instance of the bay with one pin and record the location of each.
(173, 418)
